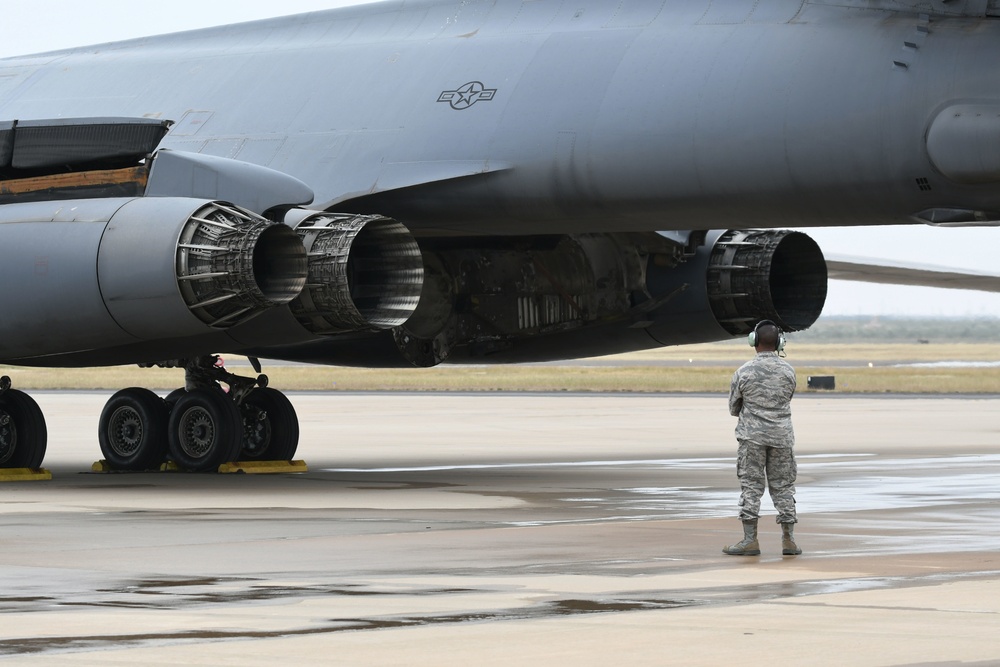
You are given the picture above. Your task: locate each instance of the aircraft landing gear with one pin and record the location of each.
(201, 426)
(270, 426)
(205, 430)
(133, 430)
(23, 435)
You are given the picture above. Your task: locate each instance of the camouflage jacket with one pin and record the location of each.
(760, 395)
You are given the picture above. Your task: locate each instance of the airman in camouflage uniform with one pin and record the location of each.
(760, 395)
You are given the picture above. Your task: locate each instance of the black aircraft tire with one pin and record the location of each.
(24, 437)
(205, 430)
(270, 426)
(133, 430)
(171, 399)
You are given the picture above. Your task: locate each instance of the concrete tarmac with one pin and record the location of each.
(516, 529)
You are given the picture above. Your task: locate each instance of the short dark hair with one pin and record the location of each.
(767, 336)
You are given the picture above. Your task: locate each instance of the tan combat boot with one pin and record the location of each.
(748, 546)
(788, 546)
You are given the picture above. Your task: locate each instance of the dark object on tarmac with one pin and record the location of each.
(821, 382)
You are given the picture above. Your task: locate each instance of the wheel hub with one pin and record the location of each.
(197, 432)
(126, 431)
(256, 433)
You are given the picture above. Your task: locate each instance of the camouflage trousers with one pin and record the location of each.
(775, 467)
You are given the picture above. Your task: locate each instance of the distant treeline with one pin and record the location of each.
(882, 329)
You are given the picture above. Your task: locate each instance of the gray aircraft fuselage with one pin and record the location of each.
(513, 117)
(417, 182)
(486, 180)
(540, 179)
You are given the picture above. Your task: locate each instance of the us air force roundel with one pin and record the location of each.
(467, 95)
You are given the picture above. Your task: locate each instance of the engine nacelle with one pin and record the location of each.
(98, 273)
(549, 298)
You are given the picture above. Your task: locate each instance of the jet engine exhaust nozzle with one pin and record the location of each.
(775, 275)
(365, 273)
(233, 264)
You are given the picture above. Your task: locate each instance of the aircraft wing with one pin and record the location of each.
(888, 272)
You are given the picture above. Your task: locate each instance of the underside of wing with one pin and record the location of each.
(860, 269)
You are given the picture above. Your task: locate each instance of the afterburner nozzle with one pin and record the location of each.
(233, 264)
(776, 275)
(365, 272)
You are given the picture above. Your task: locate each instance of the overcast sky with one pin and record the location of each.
(43, 25)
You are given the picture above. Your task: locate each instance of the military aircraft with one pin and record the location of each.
(414, 182)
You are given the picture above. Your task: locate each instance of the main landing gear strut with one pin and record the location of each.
(200, 426)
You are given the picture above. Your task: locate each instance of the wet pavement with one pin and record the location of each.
(448, 529)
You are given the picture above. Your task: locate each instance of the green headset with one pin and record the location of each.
(752, 338)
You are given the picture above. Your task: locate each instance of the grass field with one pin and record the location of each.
(693, 368)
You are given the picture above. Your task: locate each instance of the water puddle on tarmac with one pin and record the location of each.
(836, 483)
(852, 485)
